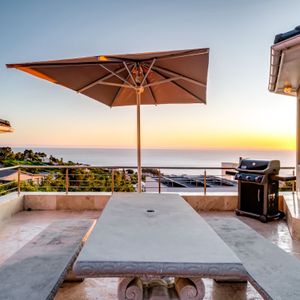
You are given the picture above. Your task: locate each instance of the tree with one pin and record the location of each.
(29, 154)
(6, 153)
(81, 179)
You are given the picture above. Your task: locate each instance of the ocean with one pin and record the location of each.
(164, 157)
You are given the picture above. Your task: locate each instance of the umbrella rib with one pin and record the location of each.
(152, 92)
(115, 84)
(91, 84)
(163, 81)
(183, 88)
(186, 78)
(118, 92)
(148, 71)
(116, 96)
(129, 72)
(118, 76)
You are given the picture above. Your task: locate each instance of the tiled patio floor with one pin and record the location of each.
(20, 229)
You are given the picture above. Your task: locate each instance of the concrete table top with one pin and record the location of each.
(154, 234)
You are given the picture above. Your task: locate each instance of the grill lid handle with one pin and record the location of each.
(233, 173)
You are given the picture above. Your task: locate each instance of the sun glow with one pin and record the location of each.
(252, 141)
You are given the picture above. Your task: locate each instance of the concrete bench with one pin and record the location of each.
(37, 270)
(273, 272)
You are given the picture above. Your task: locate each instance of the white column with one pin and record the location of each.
(139, 171)
(298, 140)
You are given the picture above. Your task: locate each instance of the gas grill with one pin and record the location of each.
(258, 189)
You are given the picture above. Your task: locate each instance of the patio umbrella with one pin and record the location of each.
(167, 77)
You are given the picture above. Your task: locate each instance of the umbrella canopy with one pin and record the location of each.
(167, 77)
(5, 126)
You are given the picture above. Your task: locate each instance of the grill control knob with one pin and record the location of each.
(238, 176)
(257, 178)
(248, 178)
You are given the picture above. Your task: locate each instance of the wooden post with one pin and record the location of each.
(19, 181)
(159, 182)
(204, 182)
(112, 180)
(67, 181)
(293, 183)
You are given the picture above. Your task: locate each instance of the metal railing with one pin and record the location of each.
(84, 178)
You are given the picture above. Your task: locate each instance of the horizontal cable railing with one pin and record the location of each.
(85, 178)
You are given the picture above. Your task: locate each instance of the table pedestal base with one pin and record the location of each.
(136, 288)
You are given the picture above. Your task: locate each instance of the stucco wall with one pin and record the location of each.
(97, 201)
(9, 205)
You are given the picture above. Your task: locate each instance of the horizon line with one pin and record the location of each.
(149, 148)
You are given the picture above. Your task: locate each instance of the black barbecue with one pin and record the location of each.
(258, 186)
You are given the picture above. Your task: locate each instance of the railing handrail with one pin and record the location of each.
(121, 167)
(9, 168)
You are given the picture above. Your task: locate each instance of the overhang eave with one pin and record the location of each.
(284, 70)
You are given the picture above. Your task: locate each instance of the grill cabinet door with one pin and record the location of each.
(252, 198)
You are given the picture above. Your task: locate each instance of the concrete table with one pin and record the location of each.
(159, 245)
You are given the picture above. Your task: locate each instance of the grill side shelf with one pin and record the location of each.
(283, 177)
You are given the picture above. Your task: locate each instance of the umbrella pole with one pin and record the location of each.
(138, 115)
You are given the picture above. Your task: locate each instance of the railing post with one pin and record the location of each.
(293, 183)
(204, 181)
(67, 181)
(19, 181)
(159, 182)
(112, 180)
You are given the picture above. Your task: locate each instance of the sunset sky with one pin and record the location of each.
(240, 111)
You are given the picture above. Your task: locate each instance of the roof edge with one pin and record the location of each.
(276, 59)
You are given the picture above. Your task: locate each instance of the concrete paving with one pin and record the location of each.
(17, 231)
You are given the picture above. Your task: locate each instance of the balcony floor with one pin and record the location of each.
(21, 228)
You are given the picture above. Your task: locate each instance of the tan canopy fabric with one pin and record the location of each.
(174, 76)
(5, 126)
(169, 77)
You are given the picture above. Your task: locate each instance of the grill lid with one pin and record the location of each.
(259, 166)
